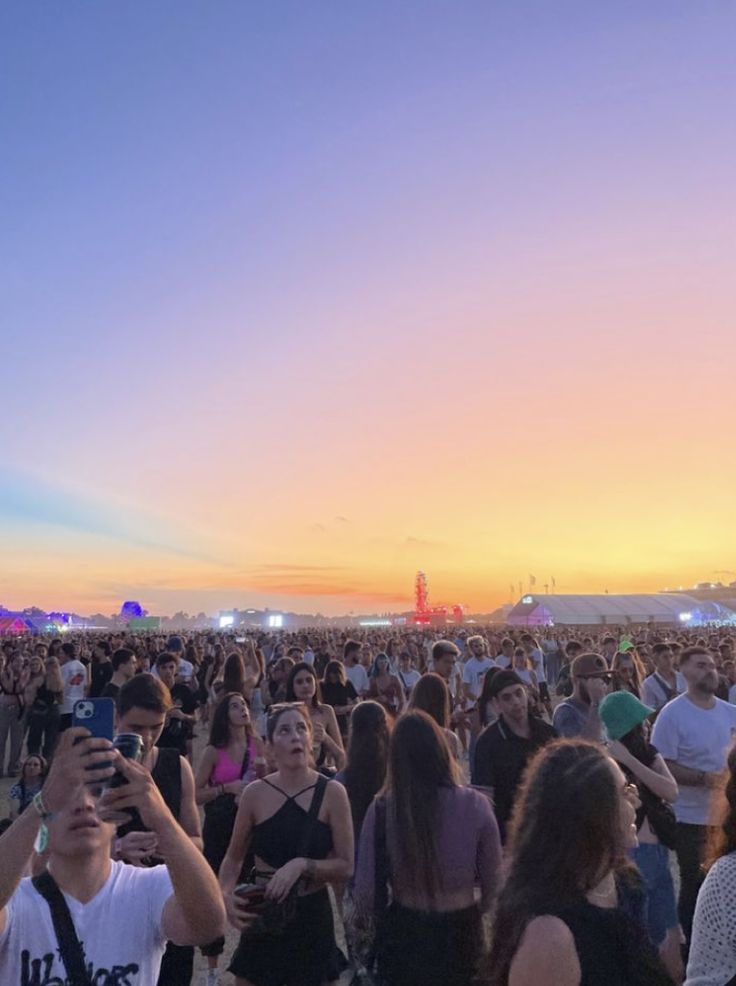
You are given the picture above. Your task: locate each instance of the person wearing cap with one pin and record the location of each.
(626, 722)
(578, 715)
(504, 748)
(564, 679)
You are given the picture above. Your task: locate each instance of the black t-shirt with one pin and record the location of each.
(334, 693)
(176, 732)
(100, 674)
(110, 690)
(500, 759)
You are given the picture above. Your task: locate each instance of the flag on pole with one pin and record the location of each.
(513, 591)
(532, 581)
(554, 584)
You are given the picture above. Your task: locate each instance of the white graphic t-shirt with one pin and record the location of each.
(74, 676)
(119, 929)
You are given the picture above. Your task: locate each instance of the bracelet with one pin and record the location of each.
(42, 838)
(40, 806)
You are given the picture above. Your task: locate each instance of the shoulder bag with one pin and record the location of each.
(222, 809)
(274, 917)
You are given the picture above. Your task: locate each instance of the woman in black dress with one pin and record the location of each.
(273, 823)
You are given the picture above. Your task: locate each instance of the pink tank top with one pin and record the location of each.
(226, 770)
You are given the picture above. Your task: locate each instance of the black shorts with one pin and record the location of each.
(305, 954)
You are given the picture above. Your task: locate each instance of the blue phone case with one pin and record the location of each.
(95, 714)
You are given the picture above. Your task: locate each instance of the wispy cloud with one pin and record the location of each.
(413, 542)
(29, 499)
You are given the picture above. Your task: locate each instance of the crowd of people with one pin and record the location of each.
(400, 806)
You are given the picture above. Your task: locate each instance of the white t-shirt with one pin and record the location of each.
(120, 931)
(358, 676)
(653, 691)
(185, 670)
(74, 676)
(408, 679)
(474, 671)
(699, 739)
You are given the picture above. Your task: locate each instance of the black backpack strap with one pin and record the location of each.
(317, 798)
(70, 948)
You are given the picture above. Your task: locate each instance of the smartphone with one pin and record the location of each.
(252, 894)
(97, 715)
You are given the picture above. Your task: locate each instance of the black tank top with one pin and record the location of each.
(612, 944)
(45, 699)
(277, 839)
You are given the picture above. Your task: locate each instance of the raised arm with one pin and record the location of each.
(67, 774)
(195, 913)
(333, 739)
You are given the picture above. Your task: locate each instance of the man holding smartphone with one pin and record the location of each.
(122, 915)
(578, 715)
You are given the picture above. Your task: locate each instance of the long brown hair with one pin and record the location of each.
(431, 695)
(722, 839)
(220, 726)
(637, 676)
(564, 836)
(365, 772)
(233, 674)
(419, 766)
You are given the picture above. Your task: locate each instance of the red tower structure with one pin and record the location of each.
(424, 614)
(421, 594)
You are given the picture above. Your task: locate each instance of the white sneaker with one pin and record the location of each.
(211, 978)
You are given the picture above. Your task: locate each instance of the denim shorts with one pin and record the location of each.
(653, 862)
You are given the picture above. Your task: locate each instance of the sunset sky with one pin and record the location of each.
(299, 297)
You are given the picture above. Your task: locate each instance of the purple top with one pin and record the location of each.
(469, 848)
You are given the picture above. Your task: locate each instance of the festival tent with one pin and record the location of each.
(673, 608)
(11, 625)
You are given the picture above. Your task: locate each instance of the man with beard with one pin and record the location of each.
(694, 733)
(505, 747)
(578, 715)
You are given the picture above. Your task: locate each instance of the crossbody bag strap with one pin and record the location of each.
(317, 798)
(669, 693)
(70, 948)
